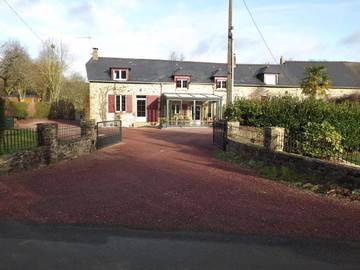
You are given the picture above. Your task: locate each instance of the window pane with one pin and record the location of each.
(123, 103)
(141, 108)
(185, 84)
(178, 84)
(123, 74)
(117, 74)
(218, 84)
(224, 84)
(117, 103)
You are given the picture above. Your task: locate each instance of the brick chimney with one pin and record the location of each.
(95, 54)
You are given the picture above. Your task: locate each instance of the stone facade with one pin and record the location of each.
(50, 150)
(99, 92)
(271, 91)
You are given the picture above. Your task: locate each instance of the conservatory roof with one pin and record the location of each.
(192, 96)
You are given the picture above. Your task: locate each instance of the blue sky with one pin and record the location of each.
(298, 30)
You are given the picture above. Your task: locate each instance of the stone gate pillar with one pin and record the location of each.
(47, 137)
(274, 138)
(88, 130)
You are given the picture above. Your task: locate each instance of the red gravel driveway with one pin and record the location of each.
(170, 180)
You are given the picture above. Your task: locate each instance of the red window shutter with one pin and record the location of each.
(111, 103)
(153, 103)
(129, 104)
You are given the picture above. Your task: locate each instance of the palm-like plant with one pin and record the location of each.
(316, 81)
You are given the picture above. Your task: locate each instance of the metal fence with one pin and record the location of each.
(322, 148)
(108, 133)
(68, 133)
(12, 140)
(220, 129)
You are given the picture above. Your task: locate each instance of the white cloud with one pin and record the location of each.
(121, 28)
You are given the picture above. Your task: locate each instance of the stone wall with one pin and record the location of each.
(245, 134)
(303, 165)
(50, 150)
(24, 160)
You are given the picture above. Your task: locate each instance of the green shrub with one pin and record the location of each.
(294, 114)
(42, 110)
(63, 109)
(20, 110)
(2, 118)
(322, 141)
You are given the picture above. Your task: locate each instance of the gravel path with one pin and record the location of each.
(169, 180)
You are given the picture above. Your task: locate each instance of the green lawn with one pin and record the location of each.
(18, 139)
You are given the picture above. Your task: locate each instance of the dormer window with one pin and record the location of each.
(271, 79)
(269, 75)
(120, 74)
(182, 82)
(221, 84)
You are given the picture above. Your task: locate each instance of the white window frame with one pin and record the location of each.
(141, 118)
(222, 84)
(176, 109)
(121, 103)
(271, 79)
(182, 83)
(120, 78)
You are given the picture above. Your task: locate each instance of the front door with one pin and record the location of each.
(141, 114)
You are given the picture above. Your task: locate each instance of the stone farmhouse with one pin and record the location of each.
(143, 92)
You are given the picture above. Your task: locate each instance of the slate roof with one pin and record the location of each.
(342, 74)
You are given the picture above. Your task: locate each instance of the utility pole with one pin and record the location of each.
(230, 62)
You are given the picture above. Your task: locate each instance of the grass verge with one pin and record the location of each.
(289, 177)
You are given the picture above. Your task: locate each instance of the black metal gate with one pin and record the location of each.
(220, 134)
(108, 133)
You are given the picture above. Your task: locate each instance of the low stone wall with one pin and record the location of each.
(24, 160)
(245, 134)
(50, 150)
(303, 165)
(73, 149)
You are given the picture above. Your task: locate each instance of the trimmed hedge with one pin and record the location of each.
(322, 141)
(19, 109)
(42, 110)
(295, 114)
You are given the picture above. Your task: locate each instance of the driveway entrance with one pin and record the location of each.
(170, 180)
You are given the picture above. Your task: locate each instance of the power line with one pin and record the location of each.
(23, 21)
(265, 43)
(259, 31)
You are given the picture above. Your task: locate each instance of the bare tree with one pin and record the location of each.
(15, 69)
(52, 65)
(174, 56)
(76, 90)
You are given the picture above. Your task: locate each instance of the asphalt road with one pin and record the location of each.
(65, 247)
